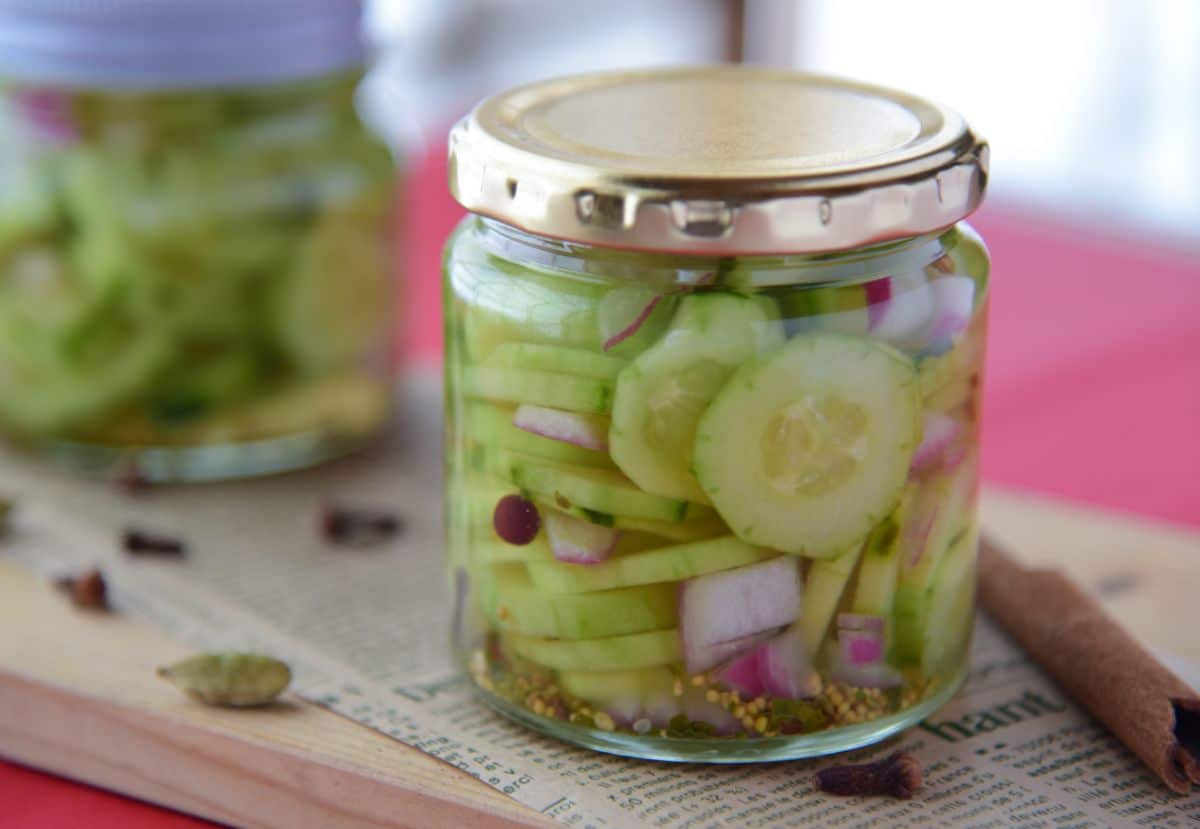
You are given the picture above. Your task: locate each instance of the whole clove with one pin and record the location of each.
(141, 543)
(897, 775)
(87, 590)
(356, 527)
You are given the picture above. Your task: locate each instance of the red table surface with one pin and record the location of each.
(1093, 393)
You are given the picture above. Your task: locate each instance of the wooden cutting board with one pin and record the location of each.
(78, 695)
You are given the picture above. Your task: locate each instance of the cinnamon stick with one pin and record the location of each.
(1151, 710)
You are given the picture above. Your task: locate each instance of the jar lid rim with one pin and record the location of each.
(717, 159)
(165, 44)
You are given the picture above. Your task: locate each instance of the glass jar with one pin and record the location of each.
(195, 272)
(712, 410)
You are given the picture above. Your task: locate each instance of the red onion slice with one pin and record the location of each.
(878, 291)
(576, 541)
(588, 431)
(785, 667)
(742, 675)
(860, 647)
(732, 605)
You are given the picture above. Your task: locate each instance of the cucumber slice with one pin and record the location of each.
(597, 490)
(875, 590)
(614, 686)
(693, 529)
(503, 303)
(823, 588)
(665, 564)
(947, 633)
(841, 308)
(660, 396)
(612, 653)
(942, 511)
(492, 425)
(554, 358)
(542, 388)
(75, 361)
(806, 449)
(522, 608)
(335, 303)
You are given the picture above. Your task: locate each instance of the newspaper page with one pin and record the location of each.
(366, 632)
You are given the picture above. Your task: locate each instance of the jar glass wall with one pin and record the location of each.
(707, 508)
(197, 280)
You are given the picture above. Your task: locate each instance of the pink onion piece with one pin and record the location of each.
(939, 434)
(631, 329)
(742, 674)
(786, 669)
(588, 431)
(860, 647)
(860, 621)
(717, 653)
(878, 291)
(733, 605)
(953, 302)
(576, 541)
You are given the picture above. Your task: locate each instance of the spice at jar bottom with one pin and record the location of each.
(713, 421)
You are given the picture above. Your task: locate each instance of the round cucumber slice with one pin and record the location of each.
(661, 395)
(597, 490)
(75, 361)
(806, 449)
(522, 608)
(612, 653)
(665, 564)
(541, 388)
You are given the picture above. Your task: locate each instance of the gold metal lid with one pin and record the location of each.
(717, 160)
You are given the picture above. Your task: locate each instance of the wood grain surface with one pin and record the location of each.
(78, 695)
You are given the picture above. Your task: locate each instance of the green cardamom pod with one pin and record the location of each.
(238, 680)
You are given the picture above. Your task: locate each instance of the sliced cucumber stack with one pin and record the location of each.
(664, 564)
(611, 653)
(661, 395)
(600, 491)
(806, 449)
(492, 425)
(542, 388)
(521, 608)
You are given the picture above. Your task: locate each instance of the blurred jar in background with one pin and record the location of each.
(194, 236)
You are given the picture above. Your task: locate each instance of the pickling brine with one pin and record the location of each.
(695, 497)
